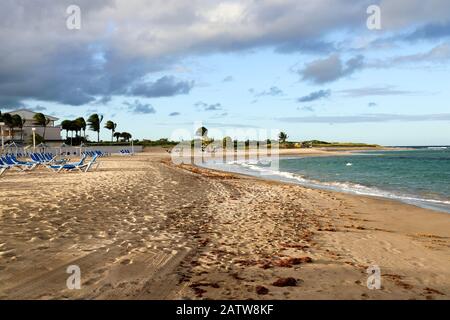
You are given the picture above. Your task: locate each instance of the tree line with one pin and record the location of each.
(94, 124)
(77, 126)
(16, 121)
(12, 122)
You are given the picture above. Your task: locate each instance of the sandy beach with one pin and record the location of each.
(142, 228)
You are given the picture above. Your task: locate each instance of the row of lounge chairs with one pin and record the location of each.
(125, 152)
(97, 153)
(48, 161)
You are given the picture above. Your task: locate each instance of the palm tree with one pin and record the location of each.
(117, 135)
(18, 122)
(111, 126)
(7, 119)
(22, 123)
(72, 126)
(202, 132)
(75, 126)
(227, 142)
(41, 120)
(82, 125)
(283, 137)
(126, 136)
(65, 125)
(94, 122)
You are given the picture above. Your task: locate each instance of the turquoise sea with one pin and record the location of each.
(420, 176)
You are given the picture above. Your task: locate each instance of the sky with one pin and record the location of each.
(311, 68)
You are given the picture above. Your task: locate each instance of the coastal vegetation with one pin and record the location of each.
(94, 122)
(324, 144)
(75, 134)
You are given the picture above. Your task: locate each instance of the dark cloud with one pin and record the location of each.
(174, 114)
(428, 32)
(103, 100)
(71, 76)
(316, 95)
(139, 108)
(10, 102)
(115, 52)
(38, 108)
(330, 69)
(118, 50)
(364, 118)
(166, 86)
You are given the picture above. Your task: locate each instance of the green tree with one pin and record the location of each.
(18, 122)
(94, 122)
(39, 139)
(7, 119)
(227, 142)
(282, 137)
(125, 136)
(75, 126)
(81, 123)
(111, 126)
(66, 125)
(202, 132)
(41, 120)
(117, 135)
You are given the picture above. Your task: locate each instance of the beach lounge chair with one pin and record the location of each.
(20, 167)
(46, 159)
(3, 167)
(67, 166)
(39, 158)
(126, 152)
(23, 164)
(80, 166)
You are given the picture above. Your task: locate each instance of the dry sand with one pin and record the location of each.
(142, 228)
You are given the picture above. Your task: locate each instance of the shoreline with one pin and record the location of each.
(141, 227)
(286, 152)
(319, 185)
(376, 218)
(206, 171)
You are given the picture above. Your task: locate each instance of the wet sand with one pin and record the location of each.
(142, 228)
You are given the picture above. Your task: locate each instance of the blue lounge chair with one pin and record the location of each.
(20, 167)
(80, 166)
(24, 164)
(3, 167)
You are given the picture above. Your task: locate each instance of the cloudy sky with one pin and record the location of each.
(309, 67)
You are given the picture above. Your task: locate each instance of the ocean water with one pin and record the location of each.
(420, 176)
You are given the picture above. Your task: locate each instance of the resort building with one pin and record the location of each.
(52, 131)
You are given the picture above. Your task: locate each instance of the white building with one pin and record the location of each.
(52, 132)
